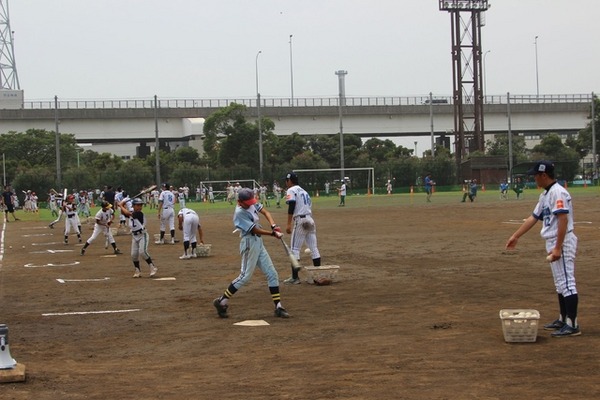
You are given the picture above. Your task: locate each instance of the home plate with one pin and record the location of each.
(252, 322)
(169, 278)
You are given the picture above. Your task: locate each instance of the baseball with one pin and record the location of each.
(307, 251)
(10, 247)
(549, 258)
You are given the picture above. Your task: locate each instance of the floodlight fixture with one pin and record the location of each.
(464, 5)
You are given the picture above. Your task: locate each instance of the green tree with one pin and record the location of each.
(551, 148)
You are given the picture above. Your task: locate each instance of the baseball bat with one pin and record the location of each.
(147, 190)
(295, 264)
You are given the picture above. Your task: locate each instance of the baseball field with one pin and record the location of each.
(412, 314)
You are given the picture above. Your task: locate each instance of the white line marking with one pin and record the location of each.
(45, 244)
(38, 234)
(171, 278)
(60, 280)
(30, 265)
(90, 312)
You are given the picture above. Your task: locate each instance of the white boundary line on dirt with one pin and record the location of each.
(90, 312)
(60, 280)
(30, 265)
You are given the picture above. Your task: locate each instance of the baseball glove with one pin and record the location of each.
(322, 281)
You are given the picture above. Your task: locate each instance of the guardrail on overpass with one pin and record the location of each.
(80, 104)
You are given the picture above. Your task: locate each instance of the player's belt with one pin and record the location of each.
(70, 216)
(166, 208)
(138, 232)
(300, 216)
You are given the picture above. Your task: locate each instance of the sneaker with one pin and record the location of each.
(117, 251)
(66, 241)
(554, 325)
(79, 240)
(194, 254)
(281, 312)
(221, 309)
(160, 241)
(82, 252)
(185, 256)
(565, 331)
(153, 271)
(137, 274)
(292, 281)
(172, 241)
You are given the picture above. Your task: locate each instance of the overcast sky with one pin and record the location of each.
(84, 49)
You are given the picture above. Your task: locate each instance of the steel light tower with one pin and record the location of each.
(467, 73)
(9, 78)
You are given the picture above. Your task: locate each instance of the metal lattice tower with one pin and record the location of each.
(8, 67)
(467, 74)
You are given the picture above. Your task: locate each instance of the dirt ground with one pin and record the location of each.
(413, 313)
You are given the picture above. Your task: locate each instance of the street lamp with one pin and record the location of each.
(537, 76)
(485, 73)
(416, 149)
(342, 100)
(260, 146)
(291, 73)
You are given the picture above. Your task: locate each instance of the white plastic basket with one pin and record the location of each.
(324, 271)
(203, 250)
(519, 325)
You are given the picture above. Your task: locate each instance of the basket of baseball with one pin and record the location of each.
(519, 325)
(324, 273)
(203, 250)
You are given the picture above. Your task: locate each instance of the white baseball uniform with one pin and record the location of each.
(304, 229)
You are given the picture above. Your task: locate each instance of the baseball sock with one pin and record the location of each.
(294, 273)
(317, 262)
(275, 295)
(230, 291)
(563, 307)
(571, 303)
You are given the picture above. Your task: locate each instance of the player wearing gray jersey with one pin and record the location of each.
(555, 210)
(300, 224)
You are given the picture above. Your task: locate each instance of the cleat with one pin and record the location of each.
(117, 251)
(194, 255)
(292, 281)
(185, 257)
(221, 309)
(137, 274)
(82, 252)
(281, 313)
(554, 325)
(566, 331)
(172, 241)
(66, 241)
(51, 226)
(79, 240)
(153, 271)
(161, 241)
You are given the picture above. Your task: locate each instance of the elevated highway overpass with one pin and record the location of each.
(122, 126)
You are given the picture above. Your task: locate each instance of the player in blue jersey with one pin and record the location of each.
(254, 254)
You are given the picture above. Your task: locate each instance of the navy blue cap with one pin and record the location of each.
(542, 166)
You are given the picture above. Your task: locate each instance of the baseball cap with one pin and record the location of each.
(292, 177)
(542, 166)
(106, 204)
(247, 196)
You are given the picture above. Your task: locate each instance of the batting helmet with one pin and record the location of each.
(137, 200)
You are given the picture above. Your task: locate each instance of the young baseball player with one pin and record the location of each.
(72, 220)
(104, 218)
(304, 229)
(254, 254)
(166, 214)
(139, 235)
(555, 210)
(189, 224)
